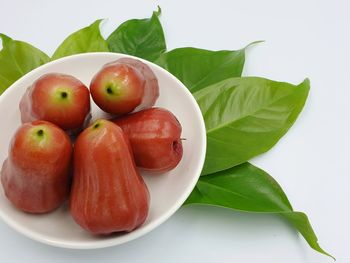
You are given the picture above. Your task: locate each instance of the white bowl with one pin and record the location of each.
(168, 191)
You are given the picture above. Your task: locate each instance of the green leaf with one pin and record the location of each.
(85, 40)
(245, 117)
(143, 38)
(16, 59)
(199, 68)
(249, 189)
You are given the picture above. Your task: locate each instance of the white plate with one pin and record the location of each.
(167, 191)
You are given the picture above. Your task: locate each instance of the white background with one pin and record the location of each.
(303, 39)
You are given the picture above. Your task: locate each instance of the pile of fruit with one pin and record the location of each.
(55, 155)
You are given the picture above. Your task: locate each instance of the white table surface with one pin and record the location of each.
(303, 39)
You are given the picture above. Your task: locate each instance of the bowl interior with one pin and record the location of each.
(168, 191)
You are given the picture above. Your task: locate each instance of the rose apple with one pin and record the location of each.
(108, 194)
(57, 98)
(36, 174)
(151, 82)
(154, 135)
(124, 86)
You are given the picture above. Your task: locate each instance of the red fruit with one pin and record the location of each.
(108, 193)
(57, 98)
(151, 85)
(154, 135)
(35, 176)
(124, 86)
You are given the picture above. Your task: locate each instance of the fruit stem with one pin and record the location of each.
(64, 94)
(40, 132)
(109, 90)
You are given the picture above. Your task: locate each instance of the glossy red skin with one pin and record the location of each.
(108, 193)
(154, 135)
(151, 93)
(36, 179)
(37, 102)
(131, 93)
